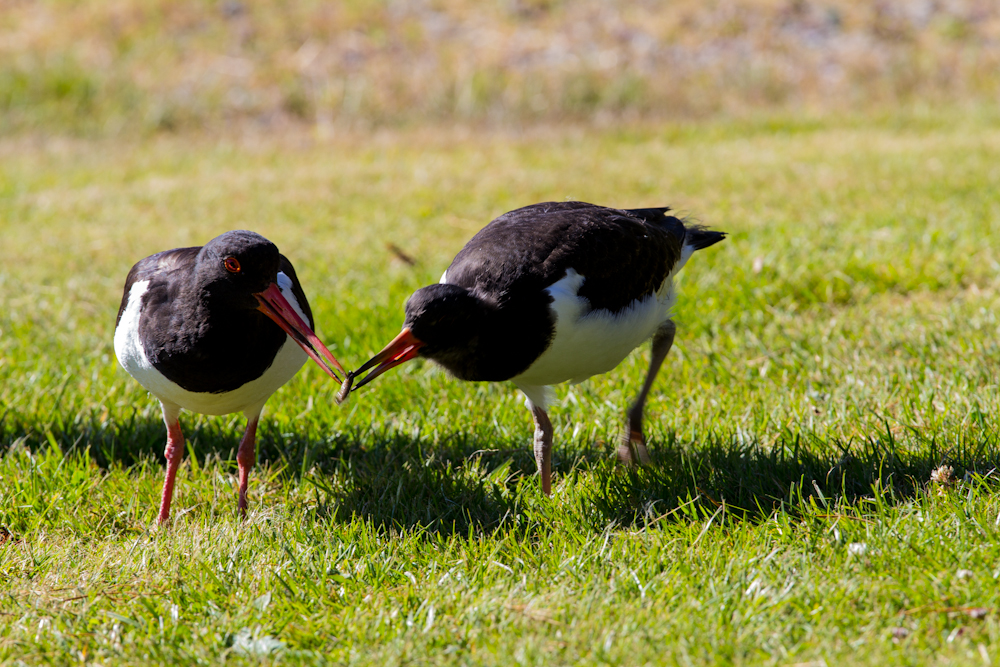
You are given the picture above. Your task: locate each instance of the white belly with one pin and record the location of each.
(590, 342)
(249, 398)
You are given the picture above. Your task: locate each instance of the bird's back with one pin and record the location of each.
(156, 268)
(624, 255)
(531, 262)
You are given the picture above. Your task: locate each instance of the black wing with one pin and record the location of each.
(623, 254)
(157, 266)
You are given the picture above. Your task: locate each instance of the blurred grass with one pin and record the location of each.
(106, 68)
(835, 350)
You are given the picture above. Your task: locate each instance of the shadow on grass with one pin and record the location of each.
(473, 483)
(753, 481)
(466, 484)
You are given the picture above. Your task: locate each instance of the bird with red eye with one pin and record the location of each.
(199, 338)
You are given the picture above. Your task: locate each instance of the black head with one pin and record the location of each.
(238, 271)
(237, 265)
(443, 323)
(446, 318)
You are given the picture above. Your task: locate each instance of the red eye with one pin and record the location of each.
(232, 265)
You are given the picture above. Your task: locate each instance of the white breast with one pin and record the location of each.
(249, 398)
(590, 342)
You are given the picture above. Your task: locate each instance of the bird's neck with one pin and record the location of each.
(502, 343)
(218, 316)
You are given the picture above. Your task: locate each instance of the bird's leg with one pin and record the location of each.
(663, 339)
(246, 457)
(543, 447)
(173, 452)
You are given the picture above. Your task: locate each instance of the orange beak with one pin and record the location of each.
(275, 306)
(402, 348)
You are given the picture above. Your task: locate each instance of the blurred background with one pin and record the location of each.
(112, 66)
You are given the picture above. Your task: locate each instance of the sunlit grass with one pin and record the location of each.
(837, 348)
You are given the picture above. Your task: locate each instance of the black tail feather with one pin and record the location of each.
(694, 235)
(701, 238)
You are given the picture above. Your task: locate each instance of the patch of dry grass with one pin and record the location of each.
(108, 66)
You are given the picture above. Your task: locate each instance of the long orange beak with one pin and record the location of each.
(275, 306)
(402, 348)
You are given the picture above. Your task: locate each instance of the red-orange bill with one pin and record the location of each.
(402, 348)
(274, 305)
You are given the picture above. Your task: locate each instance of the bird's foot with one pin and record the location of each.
(632, 448)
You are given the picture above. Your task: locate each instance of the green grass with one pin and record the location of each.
(836, 349)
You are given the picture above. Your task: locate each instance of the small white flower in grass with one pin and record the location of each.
(857, 548)
(943, 477)
(964, 574)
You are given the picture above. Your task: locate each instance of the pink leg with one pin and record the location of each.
(173, 452)
(663, 340)
(543, 447)
(246, 457)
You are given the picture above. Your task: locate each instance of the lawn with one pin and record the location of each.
(839, 348)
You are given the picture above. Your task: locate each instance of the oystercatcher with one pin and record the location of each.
(550, 293)
(215, 329)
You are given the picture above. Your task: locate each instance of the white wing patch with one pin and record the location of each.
(128, 348)
(249, 398)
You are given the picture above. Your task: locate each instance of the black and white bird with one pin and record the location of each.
(216, 329)
(551, 293)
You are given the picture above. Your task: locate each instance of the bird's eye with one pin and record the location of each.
(232, 264)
